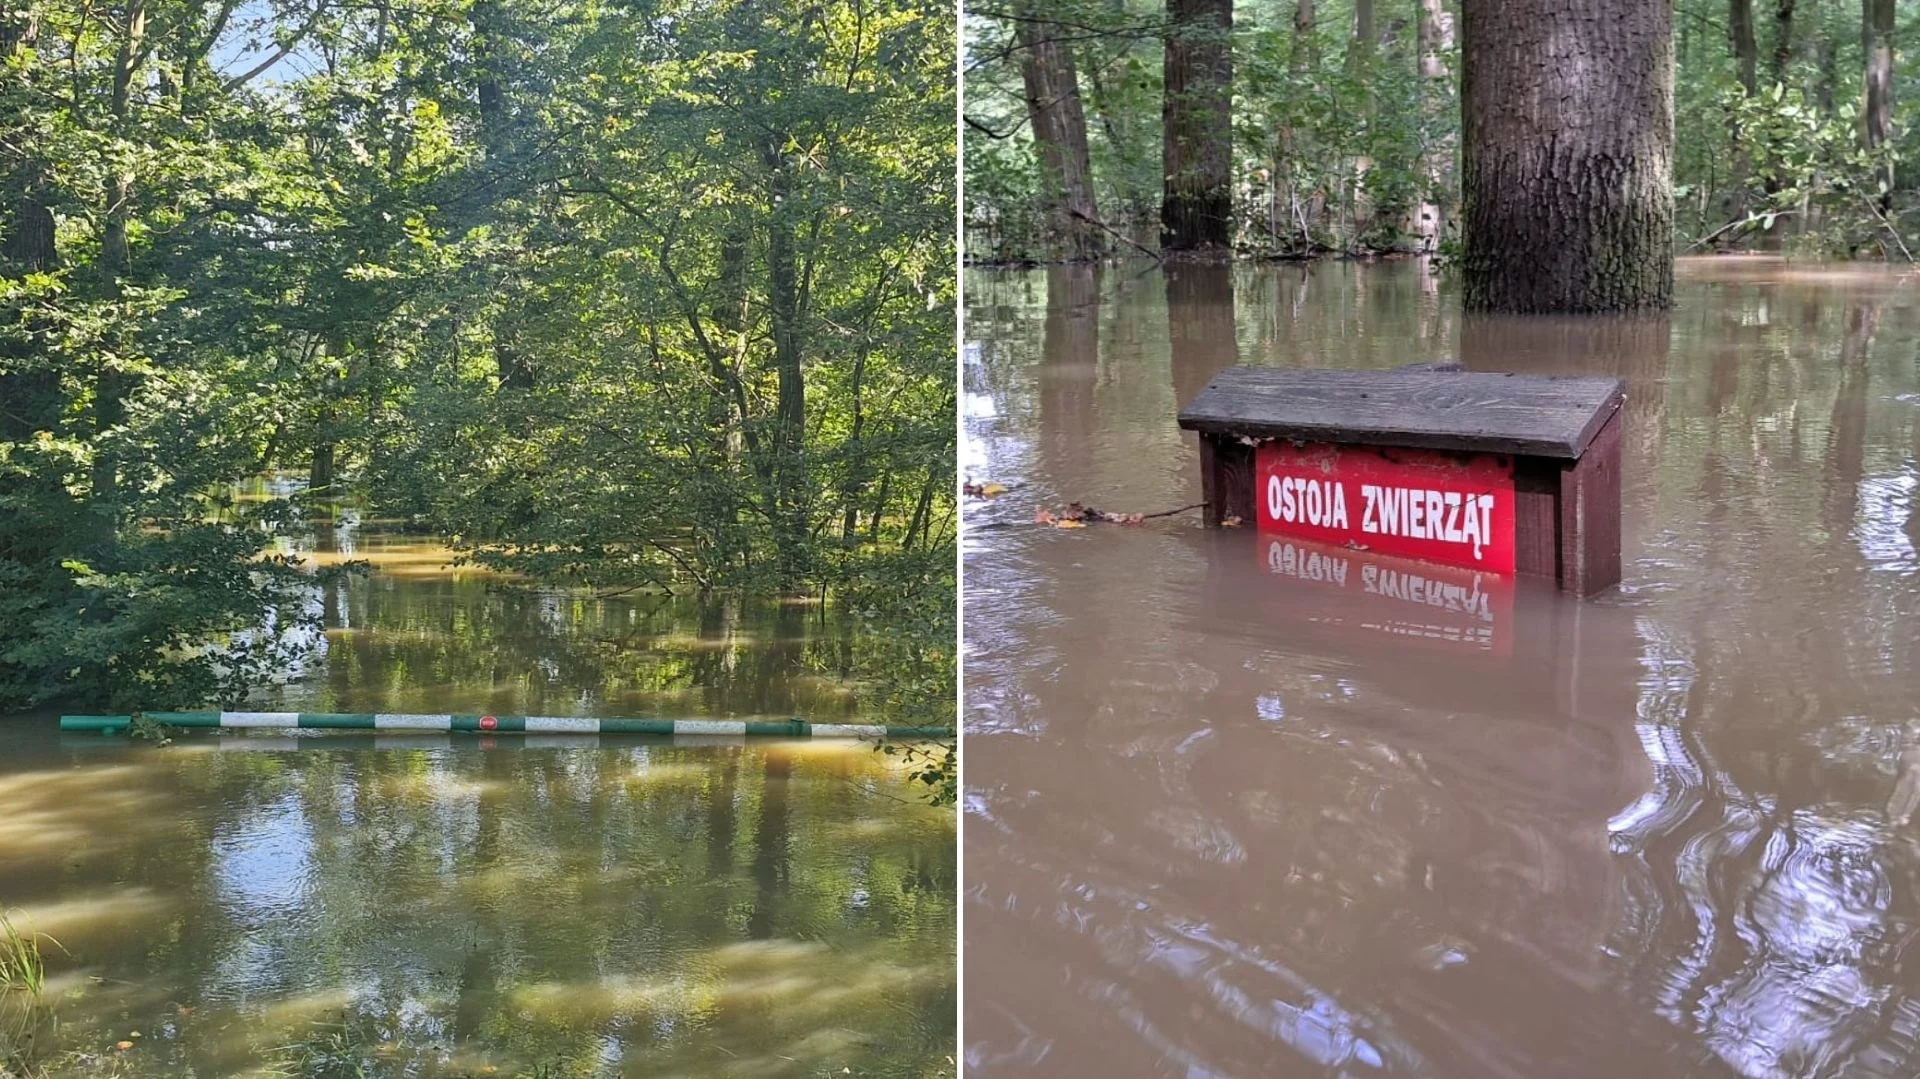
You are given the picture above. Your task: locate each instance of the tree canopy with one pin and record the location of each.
(634, 296)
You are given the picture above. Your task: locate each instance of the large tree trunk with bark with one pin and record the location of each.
(1060, 133)
(1196, 202)
(1567, 115)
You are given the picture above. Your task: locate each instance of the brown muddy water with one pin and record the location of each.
(414, 905)
(1239, 807)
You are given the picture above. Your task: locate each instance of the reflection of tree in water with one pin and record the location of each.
(533, 906)
(1773, 890)
(437, 642)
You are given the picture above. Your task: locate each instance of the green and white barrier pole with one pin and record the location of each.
(384, 721)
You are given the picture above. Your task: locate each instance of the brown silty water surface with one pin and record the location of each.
(1247, 806)
(323, 904)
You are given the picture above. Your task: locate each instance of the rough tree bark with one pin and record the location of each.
(1196, 202)
(1060, 132)
(1434, 33)
(1567, 116)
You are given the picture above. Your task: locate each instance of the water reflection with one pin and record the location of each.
(692, 909)
(426, 905)
(1234, 812)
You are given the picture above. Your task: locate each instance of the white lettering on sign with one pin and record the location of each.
(1447, 516)
(1297, 499)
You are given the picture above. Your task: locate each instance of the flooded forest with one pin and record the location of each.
(1241, 801)
(434, 357)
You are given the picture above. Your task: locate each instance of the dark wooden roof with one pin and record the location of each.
(1533, 415)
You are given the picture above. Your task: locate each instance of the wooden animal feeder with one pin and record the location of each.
(1495, 472)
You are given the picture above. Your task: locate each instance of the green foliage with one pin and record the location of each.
(652, 297)
(143, 727)
(1338, 140)
(24, 1021)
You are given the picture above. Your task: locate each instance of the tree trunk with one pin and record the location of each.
(1361, 54)
(1567, 112)
(1196, 202)
(1745, 58)
(1434, 33)
(1746, 53)
(493, 72)
(1876, 40)
(29, 399)
(1782, 40)
(113, 385)
(1282, 213)
(1060, 132)
(1780, 59)
(332, 389)
(788, 445)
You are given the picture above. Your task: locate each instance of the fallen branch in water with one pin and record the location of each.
(1122, 237)
(1079, 516)
(1169, 513)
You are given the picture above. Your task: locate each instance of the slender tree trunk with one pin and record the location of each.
(790, 409)
(322, 468)
(1362, 53)
(858, 466)
(113, 385)
(1745, 58)
(29, 399)
(1876, 40)
(1826, 56)
(1196, 202)
(1782, 40)
(1434, 34)
(1060, 133)
(1746, 53)
(493, 73)
(1567, 109)
(1282, 213)
(1778, 62)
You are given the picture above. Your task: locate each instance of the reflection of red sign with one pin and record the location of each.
(1441, 507)
(1401, 598)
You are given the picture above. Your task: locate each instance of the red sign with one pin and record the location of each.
(1441, 507)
